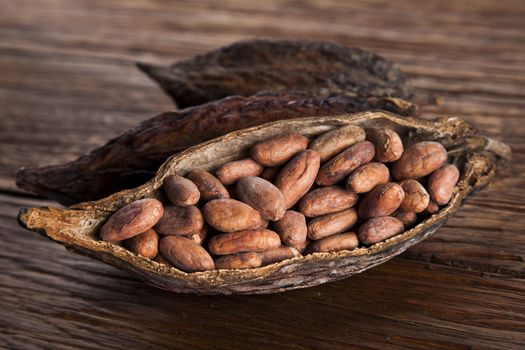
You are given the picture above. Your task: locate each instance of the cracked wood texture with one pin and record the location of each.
(68, 83)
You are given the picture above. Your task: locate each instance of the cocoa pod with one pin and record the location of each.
(344, 163)
(292, 229)
(335, 141)
(335, 243)
(326, 200)
(248, 260)
(367, 176)
(416, 197)
(442, 182)
(180, 220)
(388, 144)
(379, 228)
(296, 178)
(132, 158)
(278, 254)
(131, 220)
(407, 218)
(145, 244)
(185, 254)
(247, 67)
(331, 224)
(263, 196)
(381, 201)
(209, 186)
(420, 160)
(243, 241)
(231, 172)
(279, 149)
(228, 215)
(181, 191)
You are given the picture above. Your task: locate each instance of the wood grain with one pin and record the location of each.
(68, 83)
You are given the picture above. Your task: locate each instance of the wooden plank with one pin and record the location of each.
(51, 296)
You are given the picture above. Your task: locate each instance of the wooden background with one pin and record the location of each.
(68, 83)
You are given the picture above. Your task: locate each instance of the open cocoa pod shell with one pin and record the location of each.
(77, 227)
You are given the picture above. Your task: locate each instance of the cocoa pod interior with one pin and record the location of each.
(77, 228)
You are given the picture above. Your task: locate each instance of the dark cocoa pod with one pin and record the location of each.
(132, 158)
(77, 228)
(247, 67)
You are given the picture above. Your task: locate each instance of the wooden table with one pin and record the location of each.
(68, 83)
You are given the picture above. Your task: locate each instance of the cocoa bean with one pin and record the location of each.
(381, 201)
(248, 260)
(420, 160)
(388, 144)
(180, 220)
(292, 229)
(416, 197)
(442, 182)
(263, 196)
(334, 141)
(243, 241)
(181, 191)
(279, 149)
(331, 224)
(278, 254)
(145, 244)
(228, 215)
(209, 186)
(367, 176)
(335, 243)
(231, 172)
(185, 254)
(379, 228)
(326, 200)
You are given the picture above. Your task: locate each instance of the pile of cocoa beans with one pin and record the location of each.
(344, 189)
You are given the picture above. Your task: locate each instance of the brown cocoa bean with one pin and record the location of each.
(379, 228)
(419, 160)
(344, 163)
(367, 176)
(331, 224)
(292, 229)
(326, 200)
(248, 260)
(432, 208)
(407, 218)
(388, 144)
(442, 182)
(279, 149)
(244, 241)
(416, 197)
(231, 172)
(381, 201)
(335, 243)
(132, 219)
(145, 244)
(302, 247)
(263, 196)
(270, 174)
(181, 191)
(296, 178)
(185, 254)
(278, 254)
(198, 236)
(228, 215)
(334, 141)
(209, 186)
(180, 220)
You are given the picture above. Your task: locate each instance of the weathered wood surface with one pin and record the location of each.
(68, 83)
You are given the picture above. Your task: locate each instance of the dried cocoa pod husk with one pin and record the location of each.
(132, 158)
(247, 67)
(77, 227)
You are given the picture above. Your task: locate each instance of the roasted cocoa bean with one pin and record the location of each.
(420, 160)
(263, 196)
(228, 215)
(335, 141)
(416, 197)
(145, 244)
(292, 229)
(344, 163)
(381, 201)
(296, 178)
(335, 243)
(279, 149)
(442, 182)
(244, 241)
(181, 191)
(185, 254)
(388, 144)
(231, 172)
(367, 176)
(248, 260)
(379, 228)
(209, 186)
(331, 224)
(326, 200)
(180, 220)
(131, 220)
(278, 254)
